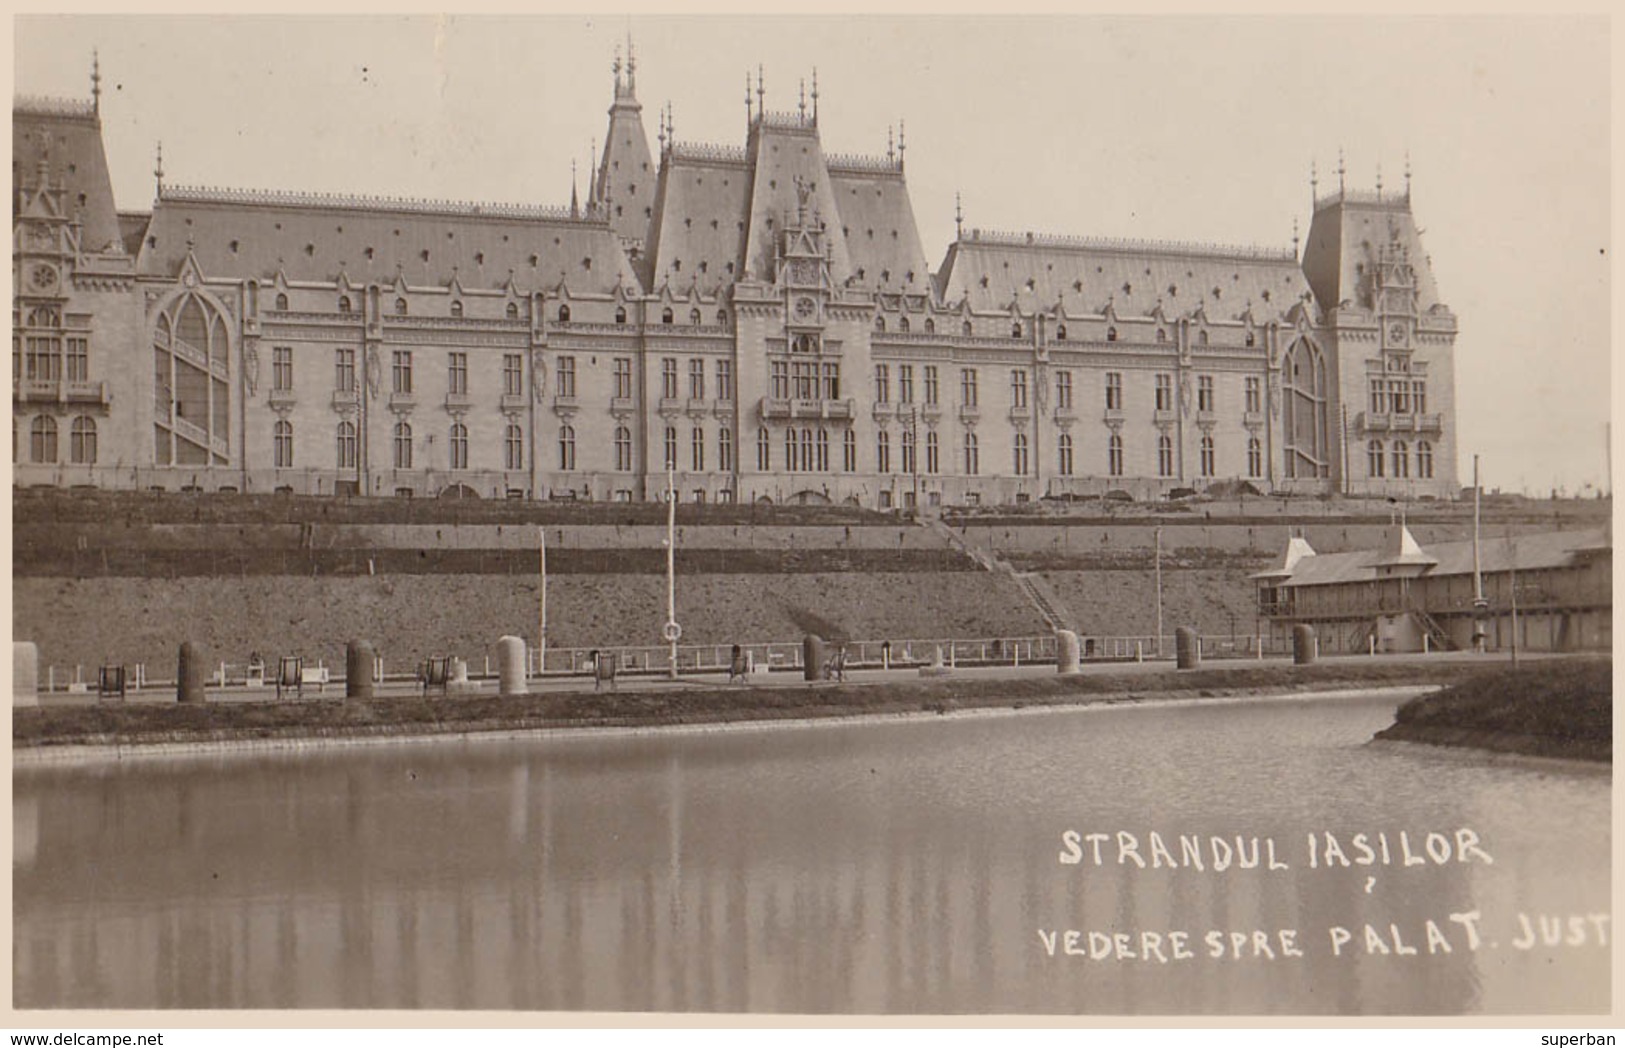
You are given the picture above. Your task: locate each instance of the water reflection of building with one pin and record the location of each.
(1404, 597)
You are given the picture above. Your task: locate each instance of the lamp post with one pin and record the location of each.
(1480, 605)
(672, 631)
(541, 638)
(1159, 590)
(914, 455)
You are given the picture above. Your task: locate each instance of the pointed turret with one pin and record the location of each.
(624, 187)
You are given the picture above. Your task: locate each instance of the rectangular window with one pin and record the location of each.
(1114, 391)
(698, 449)
(1401, 396)
(696, 379)
(973, 454)
(725, 380)
(908, 451)
(282, 368)
(931, 452)
(1204, 393)
(513, 449)
(44, 359)
(930, 383)
(513, 375)
(905, 386)
(401, 370)
(567, 376)
(832, 381)
(849, 451)
(623, 378)
(725, 450)
(1255, 398)
(882, 384)
(1419, 396)
(967, 387)
(457, 373)
(78, 360)
(763, 450)
(781, 380)
(1165, 393)
(668, 378)
(1063, 389)
(805, 374)
(1018, 388)
(883, 452)
(344, 370)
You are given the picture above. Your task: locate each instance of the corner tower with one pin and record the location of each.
(1392, 341)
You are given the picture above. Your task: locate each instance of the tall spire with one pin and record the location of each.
(1379, 180)
(1294, 236)
(815, 96)
(158, 168)
(748, 114)
(760, 92)
(660, 124)
(1314, 181)
(575, 202)
(617, 67)
(631, 65)
(959, 218)
(592, 177)
(1340, 185)
(1407, 176)
(96, 82)
(802, 105)
(901, 145)
(891, 147)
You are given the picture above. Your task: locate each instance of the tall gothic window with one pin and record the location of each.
(623, 449)
(1304, 431)
(282, 444)
(403, 445)
(567, 447)
(459, 446)
(513, 448)
(1064, 455)
(346, 455)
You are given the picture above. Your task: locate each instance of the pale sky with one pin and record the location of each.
(1165, 128)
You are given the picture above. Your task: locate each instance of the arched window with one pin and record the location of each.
(513, 311)
(567, 447)
(1252, 340)
(694, 317)
(82, 441)
(282, 444)
(623, 449)
(1162, 335)
(930, 326)
(620, 314)
(456, 307)
(1207, 456)
(1060, 332)
(1201, 338)
(882, 452)
(400, 307)
(403, 445)
(902, 324)
(880, 323)
(513, 448)
(42, 439)
(1111, 334)
(1114, 455)
(1015, 329)
(564, 313)
(344, 304)
(1063, 458)
(931, 449)
(823, 451)
(697, 448)
(764, 450)
(973, 455)
(1021, 454)
(666, 315)
(1424, 460)
(807, 463)
(1255, 457)
(909, 464)
(722, 318)
(725, 449)
(1165, 456)
(346, 445)
(1401, 459)
(1373, 458)
(849, 451)
(281, 303)
(459, 446)
(1304, 426)
(965, 329)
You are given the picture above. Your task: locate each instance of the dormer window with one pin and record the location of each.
(930, 326)
(620, 314)
(344, 304)
(880, 323)
(400, 307)
(564, 313)
(1111, 334)
(1060, 332)
(694, 317)
(902, 324)
(964, 329)
(513, 311)
(1201, 338)
(1162, 336)
(456, 308)
(282, 303)
(1252, 340)
(1015, 330)
(666, 315)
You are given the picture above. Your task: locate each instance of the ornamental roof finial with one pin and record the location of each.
(96, 83)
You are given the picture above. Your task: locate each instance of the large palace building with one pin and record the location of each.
(761, 319)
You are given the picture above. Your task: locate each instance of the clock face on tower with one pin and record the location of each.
(43, 278)
(805, 308)
(1396, 334)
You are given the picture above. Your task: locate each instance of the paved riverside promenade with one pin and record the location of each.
(582, 685)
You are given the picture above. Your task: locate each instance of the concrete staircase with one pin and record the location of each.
(1033, 586)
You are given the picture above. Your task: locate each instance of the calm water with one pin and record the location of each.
(895, 867)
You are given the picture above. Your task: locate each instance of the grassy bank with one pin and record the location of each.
(1546, 710)
(686, 703)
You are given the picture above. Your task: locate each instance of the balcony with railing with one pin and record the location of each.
(345, 398)
(969, 412)
(402, 401)
(62, 391)
(281, 397)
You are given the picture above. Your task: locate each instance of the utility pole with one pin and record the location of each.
(1480, 605)
(541, 638)
(672, 631)
(1512, 589)
(1159, 589)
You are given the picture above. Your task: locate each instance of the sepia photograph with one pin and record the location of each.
(940, 515)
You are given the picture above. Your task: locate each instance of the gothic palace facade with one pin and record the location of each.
(762, 318)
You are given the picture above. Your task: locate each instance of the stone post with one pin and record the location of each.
(191, 675)
(359, 661)
(1187, 648)
(511, 666)
(24, 673)
(1066, 651)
